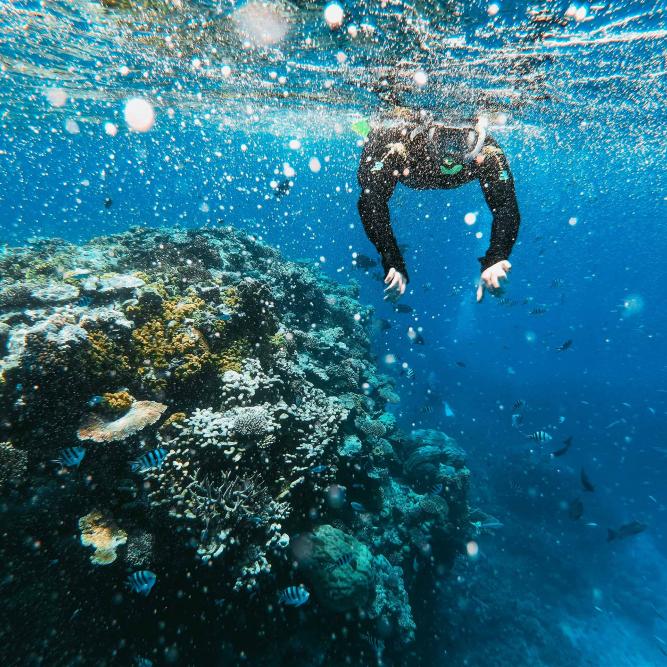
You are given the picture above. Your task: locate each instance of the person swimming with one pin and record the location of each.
(413, 148)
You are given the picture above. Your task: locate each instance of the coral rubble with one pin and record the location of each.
(281, 464)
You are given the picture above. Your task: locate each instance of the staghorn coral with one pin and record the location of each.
(99, 530)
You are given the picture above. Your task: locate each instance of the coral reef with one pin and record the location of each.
(99, 530)
(281, 463)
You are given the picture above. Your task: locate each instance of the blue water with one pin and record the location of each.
(589, 171)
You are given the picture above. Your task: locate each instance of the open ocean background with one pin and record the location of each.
(586, 144)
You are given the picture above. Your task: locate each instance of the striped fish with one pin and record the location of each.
(436, 489)
(294, 596)
(153, 459)
(71, 457)
(539, 436)
(345, 559)
(357, 507)
(519, 405)
(141, 581)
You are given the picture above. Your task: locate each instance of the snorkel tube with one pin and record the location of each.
(480, 128)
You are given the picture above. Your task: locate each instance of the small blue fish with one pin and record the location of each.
(294, 596)
(345, 559)
(142, 581)
(153, 459)
(224, 315)
(539, 436)
(71, 457)
(436, 489)
(316, 470)
(94, 401)
(84, 301)
(357, 507)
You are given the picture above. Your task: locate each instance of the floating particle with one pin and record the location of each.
(295, 144)
(472, 549)
(72, 126)
(530, 336)
(226, 71)
(111, 129)
(478, 235)
(493, 9)
(633, 305)
(314, 165)
(470, 218)
(420, 77)
(263, 24)
(334, 15)
(139, 114)
(56, 97)
(580, 14)
(124, 70)
(572, 222)
(288, 171)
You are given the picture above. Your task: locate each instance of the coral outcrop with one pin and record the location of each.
(270, 455)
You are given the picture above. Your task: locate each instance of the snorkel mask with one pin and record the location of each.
(460, 142)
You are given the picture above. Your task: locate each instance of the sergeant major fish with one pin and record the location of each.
(345, 559)
(153, 459)
(539, 436)
(71, 457)
(294, 596)
(141, 581)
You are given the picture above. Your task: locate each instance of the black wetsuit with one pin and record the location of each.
(404, 152)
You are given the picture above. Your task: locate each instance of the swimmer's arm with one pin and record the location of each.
(378, 181)
(498, 187)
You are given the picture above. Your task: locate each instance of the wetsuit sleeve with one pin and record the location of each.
(377, 176)
(498, 188)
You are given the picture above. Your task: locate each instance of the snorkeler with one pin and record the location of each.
(411, 147)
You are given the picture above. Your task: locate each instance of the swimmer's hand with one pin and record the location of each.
(396, 284)
(491, 277)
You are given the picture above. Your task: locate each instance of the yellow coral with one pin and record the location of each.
(232, 358)
(99, 530)
(104, 356)
(118, 401)
(231, 298)
(174, 419)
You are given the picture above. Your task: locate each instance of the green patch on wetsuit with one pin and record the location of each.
(450, 167)
(361, 127)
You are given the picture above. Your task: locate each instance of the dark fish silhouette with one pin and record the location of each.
(586, 483)
(626, 530)
(566, 345)
(385, 325)
(575, 509)
(364, 261)
(563, 450)
(403, 308)
(108, 202)
(419, 339)
(540, 310)
(519, 405)
(461, 364)
(283, 188)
